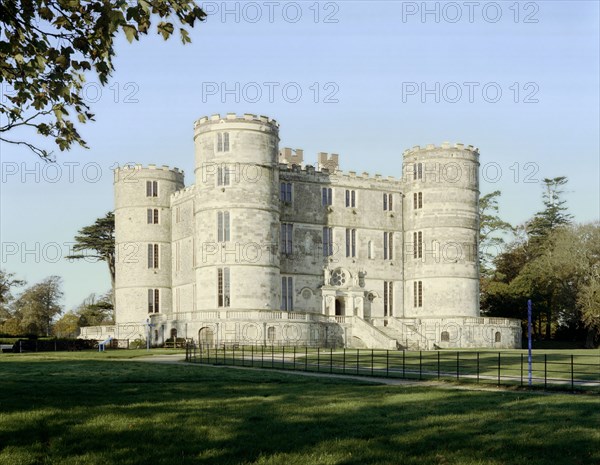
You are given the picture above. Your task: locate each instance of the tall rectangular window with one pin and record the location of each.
(153, 256)
(388, 245)
(223, 287)
(387, 202)
(223, 176)
(418, 171)
(350, 242)
(151, 188)
(418, 244)
(152, 216)
(350, 198)
(285, 192)
(327, 241)
(418, 294)
(388, 298)
(287, 293)
(153, 301)
(222, 142)
(287, 233)
(223, 227)
(418, 200)
(326, 196)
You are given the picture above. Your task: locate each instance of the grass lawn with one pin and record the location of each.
(98, 408)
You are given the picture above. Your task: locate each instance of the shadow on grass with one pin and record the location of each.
(98, 412)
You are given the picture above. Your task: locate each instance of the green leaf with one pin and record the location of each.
(130, 32)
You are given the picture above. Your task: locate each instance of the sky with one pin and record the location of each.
(364, 79)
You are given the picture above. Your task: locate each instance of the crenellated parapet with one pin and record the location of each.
(443, 146)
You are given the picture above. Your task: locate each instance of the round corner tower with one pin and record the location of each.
(441, 231)
(143, 240)
(237, 212)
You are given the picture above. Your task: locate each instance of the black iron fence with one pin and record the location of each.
(548, 370)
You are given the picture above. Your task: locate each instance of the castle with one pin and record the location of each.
(265, 249)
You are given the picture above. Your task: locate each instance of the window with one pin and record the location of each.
(418, 171)
(350, 198)
(497, 337)
(151, 188)
(417, 200)
(326, 196)
(287, 293)
(388, 245)
(350, 242)
(153, 301)
(418, 294)
(271, 334)
(222, 142)
(223, 178)
(327, 242)
(445, 336)
(153, 256)
(388, 298)
(285, 192)
(223, 230)
(387, 202)
(418, 244)
(223, 287)
(152, 216)
(287, 230)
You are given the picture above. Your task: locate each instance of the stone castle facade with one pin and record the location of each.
(265, 249)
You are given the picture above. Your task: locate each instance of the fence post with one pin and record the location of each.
(572, 375)
(272, 356)
(357, 361)
(306, 358)
(262, 356)
(404, 364)
(477, 367)
(294, 362)
(438, 357)
(521, 370)
(344, 362)
(545, 371)
(498, 368)
(372, 362)
(283, 357)
(233, 356)
(331, 360)
(420, 364)
(318, 359)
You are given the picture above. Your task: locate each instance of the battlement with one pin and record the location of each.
(330, 162)
(233, 117)
(350, 176)
(182, 193)
(139, 167)
(442, 146)
(291, 157)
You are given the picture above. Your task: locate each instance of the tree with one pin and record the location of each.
(38, 304)
(7, 282)
(490, 226)
(98, 238)
(66, 326)
(589, 304)
(554, 214)
(46, 48)
(95, 311)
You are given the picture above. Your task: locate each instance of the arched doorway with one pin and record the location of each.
(206, 337)
(339, 307)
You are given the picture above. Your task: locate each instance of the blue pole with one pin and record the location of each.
(529, 338)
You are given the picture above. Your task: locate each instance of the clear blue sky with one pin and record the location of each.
(374, 58)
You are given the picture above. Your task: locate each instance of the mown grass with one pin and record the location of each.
(85, 408)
